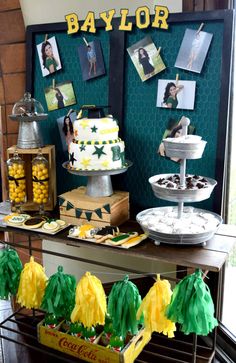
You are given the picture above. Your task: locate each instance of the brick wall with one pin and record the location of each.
(12, 75)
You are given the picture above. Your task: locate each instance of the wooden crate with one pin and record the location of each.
(78, 208)
(27, 155)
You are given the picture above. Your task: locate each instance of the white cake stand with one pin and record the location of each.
(99, 181)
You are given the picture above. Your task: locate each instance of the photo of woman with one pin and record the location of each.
(146, 58)
(172, 95)
(91, 60)
(60, 96)
(170, 99)
(49, 57)
(193, 50)
(68, 129)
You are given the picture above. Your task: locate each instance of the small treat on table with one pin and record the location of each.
(116, 343)
(16, 177)
(90, 334)
(61, 222)
(16, 220)
(121, 238)
(76, 329)
(34, 222)
(50, 321)
(51, 226)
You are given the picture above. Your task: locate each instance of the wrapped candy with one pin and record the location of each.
(153, 308)
(90, 302)
(123, 303)
(59, 294)
(32, 285)
(192, 306)
(10, 270)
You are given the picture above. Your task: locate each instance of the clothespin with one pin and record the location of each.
(85, 41)
(158, 51)
(46, 38)
(68, 114)
(53, 83)
(200, 28)
(176, 79)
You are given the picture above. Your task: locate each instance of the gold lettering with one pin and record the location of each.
(108, 19)
(89, 23)
(142, 10)
(72, 23)
(161, 15)
(123, 25)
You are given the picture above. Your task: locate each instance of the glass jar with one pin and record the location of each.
(16, 181)
(40, 179)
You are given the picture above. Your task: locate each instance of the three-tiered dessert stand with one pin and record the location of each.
(181, 225)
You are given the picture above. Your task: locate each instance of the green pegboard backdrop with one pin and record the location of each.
(143, 124)
(94, 91)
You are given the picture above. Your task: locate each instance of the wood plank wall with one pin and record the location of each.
(205, 5)
(12, 75)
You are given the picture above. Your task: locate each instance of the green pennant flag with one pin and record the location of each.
(69, 206)
(61, 201)
(98, 212)
(107, 208)
(88, 215)
(78, 212)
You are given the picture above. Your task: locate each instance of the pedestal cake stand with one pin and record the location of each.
(99, 181)
(181, 225)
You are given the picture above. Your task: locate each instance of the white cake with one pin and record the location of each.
(96, 145)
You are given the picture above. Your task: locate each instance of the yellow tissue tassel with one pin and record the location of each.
(153, 308)
(90, 302)
(32, 285)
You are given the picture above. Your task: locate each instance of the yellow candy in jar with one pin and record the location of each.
(16, 175)
(39, 176)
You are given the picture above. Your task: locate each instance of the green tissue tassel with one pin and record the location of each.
(10, 270)
(191, 305)
(123, 303)
(59, 297)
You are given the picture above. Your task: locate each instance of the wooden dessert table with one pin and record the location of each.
(210, 258)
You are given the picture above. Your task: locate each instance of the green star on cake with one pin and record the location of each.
(82, 148)
(99, 151)
(94, 129)
(72, 159)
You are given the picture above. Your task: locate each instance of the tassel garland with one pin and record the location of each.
(90, 302)
(32, 285)
(192, 306)
(10, 270)
(153, 308)
(59, 297)
(123, 303)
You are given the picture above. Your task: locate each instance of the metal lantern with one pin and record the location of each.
(16, 180)
(28, 112)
